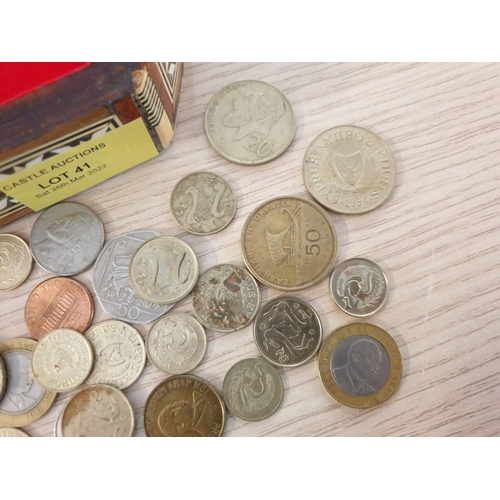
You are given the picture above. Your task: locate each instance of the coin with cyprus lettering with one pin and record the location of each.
(12, 432)
(15, 262)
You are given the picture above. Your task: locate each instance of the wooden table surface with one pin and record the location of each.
(436, 238)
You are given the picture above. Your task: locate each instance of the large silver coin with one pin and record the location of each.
(110, 276)
(287, 331)
(66, 238)
(15, 262)
(3, 378)
(203, 203)
(249, 122)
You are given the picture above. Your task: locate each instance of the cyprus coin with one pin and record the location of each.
(249, 122)
(15, 262)
(12, 432)
(360, 365)
(164, 270)
(62, 360)
(176, 343)
(3, 378)
(289, 243)
(203, 203)
(252, 389)
(184, 406)
(359, 287)
(98, 411)
(226, 298)
(66, 238)
(119, 354)
(349, 170)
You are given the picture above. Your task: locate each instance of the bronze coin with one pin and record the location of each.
(58, 303)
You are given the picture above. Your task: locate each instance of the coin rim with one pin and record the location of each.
(265, 356)
(371, 313)
(321, 276)
(28, 269)
(257, 162)
(344, 212)
(395, 360)
(3, 378)
(15, 430)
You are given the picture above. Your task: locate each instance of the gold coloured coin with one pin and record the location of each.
(289, 243)
(360, 365)
(12, 432)
(15, 262)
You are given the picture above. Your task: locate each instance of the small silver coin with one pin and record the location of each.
(66, 238)
(111, 280)
(287, 331)
(252, 389)
(359, 287)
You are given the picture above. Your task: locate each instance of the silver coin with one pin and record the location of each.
(57, 427)
(66, 238)
(252, 389)
(3, 378)
(359, 287)
(203, 203)
(226, 298)
(176, 343)
(287, 331)
(12, 432)
(249, 122)
(111, 280)
(15, 262)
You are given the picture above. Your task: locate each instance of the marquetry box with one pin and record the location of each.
(65, 127)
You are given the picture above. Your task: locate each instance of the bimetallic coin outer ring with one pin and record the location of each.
(387, 342)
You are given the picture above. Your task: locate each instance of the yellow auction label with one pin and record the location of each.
(84, 166)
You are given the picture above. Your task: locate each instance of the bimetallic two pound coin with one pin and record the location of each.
(12, 432)
(360, 365)
(359, 287)
(249, 122)
(289, 243)
(15, 262)
(349, 170)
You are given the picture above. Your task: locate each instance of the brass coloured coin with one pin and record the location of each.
(15, 262)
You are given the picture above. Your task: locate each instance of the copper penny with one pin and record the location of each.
(58, 303)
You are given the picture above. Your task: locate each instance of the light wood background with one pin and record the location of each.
(436, 237)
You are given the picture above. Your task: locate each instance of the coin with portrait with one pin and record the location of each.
(15, 262)
(12, 432)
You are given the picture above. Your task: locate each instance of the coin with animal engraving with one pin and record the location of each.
(3, 378)
(110, 276)
(66, 238)
(226, 298)
(62, 360)
(24, 401)
(176, 343)
(249, 122)
(184, 406)
(12, 432)
(289, 243)
(349, 170)
(15, 262)
(164, 270)
(287, 331)
(359, 287)
(360, 365)
(119, 354)
(252, 389)
(203, 203)
(98, 411)
(58, 303)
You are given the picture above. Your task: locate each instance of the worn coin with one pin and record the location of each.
(360, 365)
(62, 360)
(249, 122)
(110, 276)
(349, 170)
(203, 203)
(66, 238)
(226, 298)
(98, 411)
(287, 331)
(12, 432)
(24, 400)
(289, 243)
(252, 389)
(184, 406)
(3, 378)
(359, 287)
(119, 354)
(176, 343)
(15, 262)
(164, 270)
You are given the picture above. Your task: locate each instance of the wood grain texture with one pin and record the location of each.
(436, 238)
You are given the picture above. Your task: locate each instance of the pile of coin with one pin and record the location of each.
(288, 243)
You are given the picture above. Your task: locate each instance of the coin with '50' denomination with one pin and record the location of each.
(249, 122)
(15, 262)
(289, 243)
(12, 432)
(184, 406)
(360, 365)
